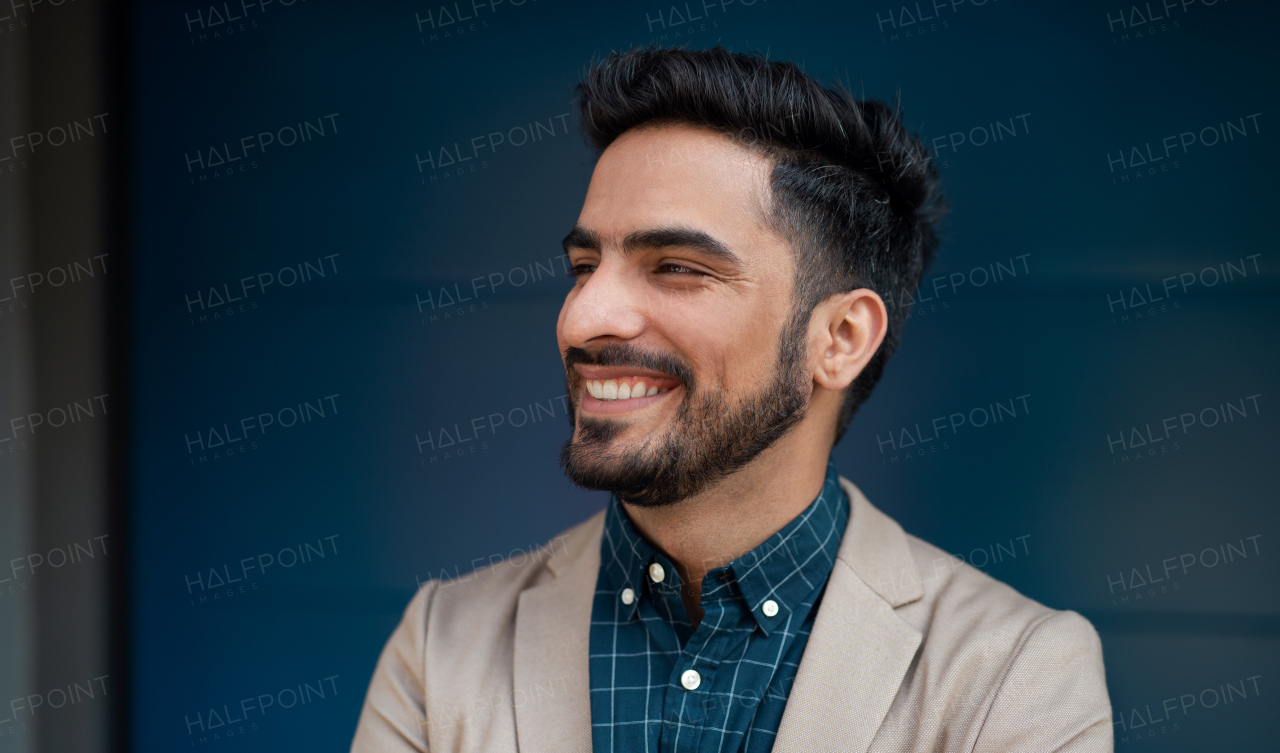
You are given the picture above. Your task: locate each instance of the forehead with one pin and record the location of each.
(679, 175)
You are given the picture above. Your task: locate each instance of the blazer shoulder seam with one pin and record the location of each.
(1025, 639)
(432, 587)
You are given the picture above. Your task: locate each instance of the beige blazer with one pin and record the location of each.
(911, 650)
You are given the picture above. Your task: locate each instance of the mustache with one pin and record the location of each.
(618, 354)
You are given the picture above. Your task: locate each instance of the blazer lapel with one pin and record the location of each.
(552, 692)
(859, 650)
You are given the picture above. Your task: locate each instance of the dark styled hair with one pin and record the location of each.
(854, 193)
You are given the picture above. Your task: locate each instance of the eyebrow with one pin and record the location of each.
(655, 238)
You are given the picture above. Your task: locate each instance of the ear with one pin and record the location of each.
(845, 332)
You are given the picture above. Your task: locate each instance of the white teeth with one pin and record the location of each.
(611, 389)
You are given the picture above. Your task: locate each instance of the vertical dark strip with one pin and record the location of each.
(116, 28)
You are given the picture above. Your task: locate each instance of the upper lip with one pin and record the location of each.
(591, 371)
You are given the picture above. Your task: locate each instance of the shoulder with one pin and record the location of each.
(1023, 671)
(939, 594)
(962, 597)
(993, 666)
(962, 601)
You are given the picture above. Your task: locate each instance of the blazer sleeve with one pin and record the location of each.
(393, 719)
(1053, 696)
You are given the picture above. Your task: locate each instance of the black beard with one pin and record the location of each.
(708, 441)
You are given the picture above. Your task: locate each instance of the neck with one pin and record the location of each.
(724, 522)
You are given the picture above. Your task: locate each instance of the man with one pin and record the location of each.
(741, 232)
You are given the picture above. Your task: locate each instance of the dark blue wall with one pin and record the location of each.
(1041, 119)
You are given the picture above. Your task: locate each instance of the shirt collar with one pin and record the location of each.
(625, 557)
(786, 569)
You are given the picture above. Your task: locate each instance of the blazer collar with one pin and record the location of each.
(875, 546)
(552, 681)
(859, 649)
(853, 665)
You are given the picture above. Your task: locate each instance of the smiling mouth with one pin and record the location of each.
(627, 388)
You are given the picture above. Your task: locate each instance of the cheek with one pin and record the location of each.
(735, 350)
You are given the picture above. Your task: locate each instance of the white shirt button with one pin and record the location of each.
(691, 679)
(770, 608)
(656, 573)
(628, 596)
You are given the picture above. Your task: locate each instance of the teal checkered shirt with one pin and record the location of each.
(745, 652)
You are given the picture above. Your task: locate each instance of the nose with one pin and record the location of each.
(607, 304)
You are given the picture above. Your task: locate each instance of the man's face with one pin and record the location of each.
(685, 295)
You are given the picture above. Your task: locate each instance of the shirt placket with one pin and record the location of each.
(680, 714)
(692, 684)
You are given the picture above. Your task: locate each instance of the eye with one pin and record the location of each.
(679, 269)
(578, 270)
